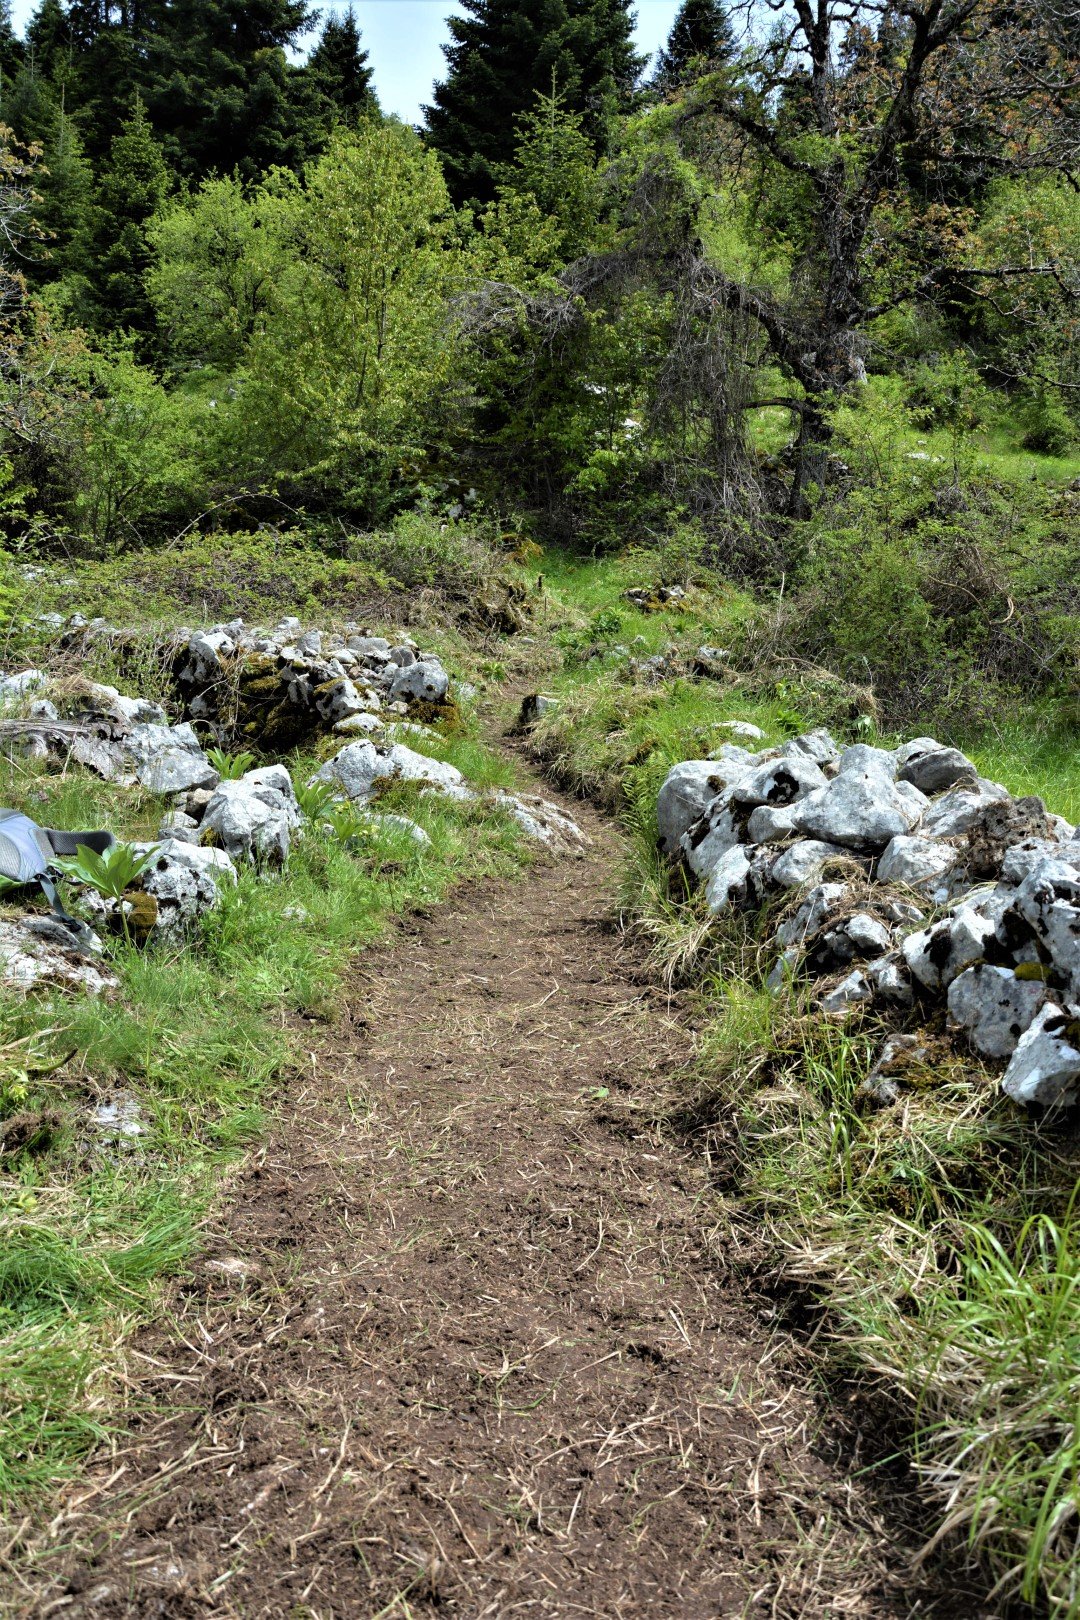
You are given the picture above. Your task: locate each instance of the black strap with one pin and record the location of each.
(74, 927)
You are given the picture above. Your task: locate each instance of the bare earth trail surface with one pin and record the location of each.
(459, 1344)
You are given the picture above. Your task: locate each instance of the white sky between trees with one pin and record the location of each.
(403, 38)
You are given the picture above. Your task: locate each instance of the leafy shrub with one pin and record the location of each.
(1049, 430)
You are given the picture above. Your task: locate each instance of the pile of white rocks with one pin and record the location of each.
(912, 881)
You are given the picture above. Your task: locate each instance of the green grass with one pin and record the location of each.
(199, 1035)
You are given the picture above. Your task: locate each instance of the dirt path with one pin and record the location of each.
(460, 1345)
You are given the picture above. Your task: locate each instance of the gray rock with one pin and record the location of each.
(869, 936)
(687, 792)
(358, 725)
(1021, 859)
(915, 861)
(778, 782)
(784, 971)
(728, 880)
(272, 776)
(42, 709)
(769, 823)
(372, 649)
(544, 821)
(105, 701)
(938, 955)
(38, 953)
(1045, 1068)
(742, 729)
(184, 878)
(168, 759)
(891, 980)
(862, 809)
(361, 770)
(860, 759)
(421, 682)
(936, 769)
(850, 992)
(706, 844)
(821, 905)
(184, 829)
(817, 745)
(993, 1008)
(338, 700)
(957, 811)
(1049, 901)
(801, 862)
(251, 822)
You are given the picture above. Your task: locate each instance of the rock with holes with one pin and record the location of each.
(688, 791)
(710, 839)
(1045, 1068)
(421, 682)
(992, 1007)
(778, 782)
(938, 955)
(1049, 902)
(957, 811)
(184, 879)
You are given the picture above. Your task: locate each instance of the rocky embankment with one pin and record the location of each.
(265, 693)
(899, 880)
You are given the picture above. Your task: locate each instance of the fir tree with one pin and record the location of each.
(338, 68)
(701, 40)
(221, 91)
(131, 190)
(66, 186)
(10, 48)
(502, 55)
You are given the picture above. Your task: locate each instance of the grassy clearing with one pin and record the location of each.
(193, 1046)
(935, 1242)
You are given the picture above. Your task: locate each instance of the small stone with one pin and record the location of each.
(869, 936)
(851, 992)
(769, 823)
(936, 769)
(957, 811)
(742, 729)
(803, 861)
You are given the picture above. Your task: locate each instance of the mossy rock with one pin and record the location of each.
(445, 716)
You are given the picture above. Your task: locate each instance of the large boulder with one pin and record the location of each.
(863, 808)
(958, 810)
(916, 862)
(777, 782)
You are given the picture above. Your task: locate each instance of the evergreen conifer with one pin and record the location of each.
(339, 70)
(131, 190)
(701, 40)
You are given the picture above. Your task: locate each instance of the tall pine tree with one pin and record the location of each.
(220, 89)
(504, 53)
(701, 40)
(338, 68)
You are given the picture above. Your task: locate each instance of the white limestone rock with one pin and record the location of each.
(168, 759)
(184, 879)
(862, 808)
(803, 861)
(688, 791)
(916, 862)
(956, 811)
(778, 782)
(769, 823)
(361, 770)
(1045, 1068)
(727, 885)
(38, 953)
(993, 1008)
(251, 822)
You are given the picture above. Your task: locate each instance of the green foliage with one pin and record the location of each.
(230, 767)
(314, 798)
(130, 192)
(111, 873)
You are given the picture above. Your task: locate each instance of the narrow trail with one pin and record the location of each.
(459, 1343)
